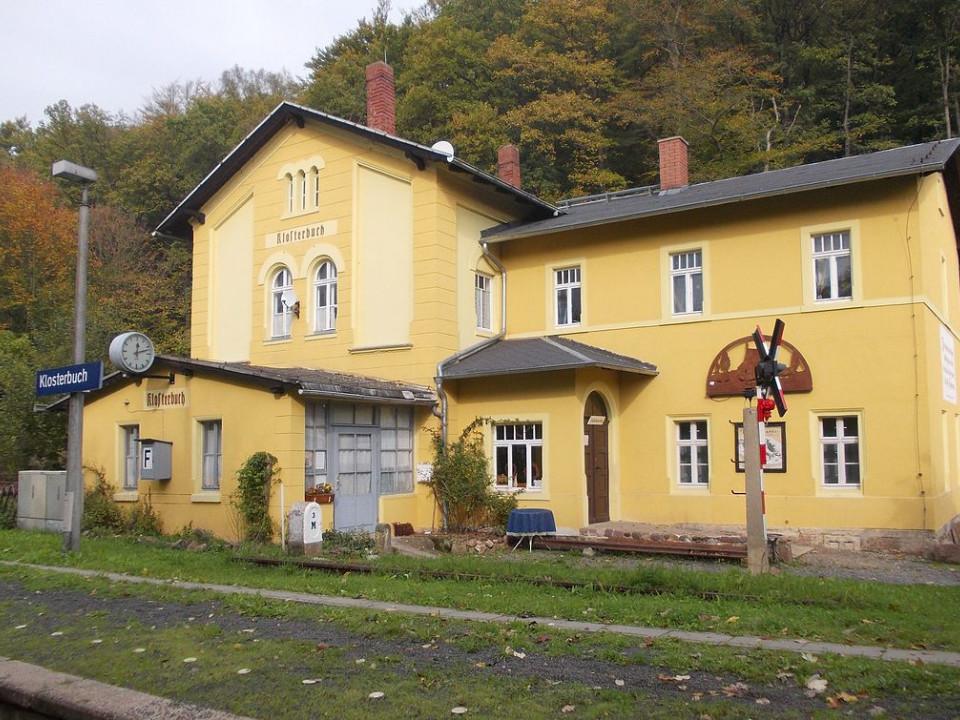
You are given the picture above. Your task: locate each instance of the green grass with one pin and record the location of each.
(273, 687)
(728, 601)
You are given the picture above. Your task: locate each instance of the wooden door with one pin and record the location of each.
(595, 461)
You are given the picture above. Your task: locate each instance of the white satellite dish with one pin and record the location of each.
(288, 298)
(443, 147)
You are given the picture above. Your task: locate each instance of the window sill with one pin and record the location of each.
(692, 488)
(379, 348)
(840, 490)
(277, 340)
(126, 496)
(320, 334)
(299, 213)
(205, 497)
(686, 318)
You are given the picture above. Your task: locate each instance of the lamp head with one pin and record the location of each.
(73, 172)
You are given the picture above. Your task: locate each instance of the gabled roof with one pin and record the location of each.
(176, 223)
(303, 381)
(648, 202)
(546, 354)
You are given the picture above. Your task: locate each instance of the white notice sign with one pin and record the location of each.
(948, 364)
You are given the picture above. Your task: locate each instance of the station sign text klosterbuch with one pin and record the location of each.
(69, 379)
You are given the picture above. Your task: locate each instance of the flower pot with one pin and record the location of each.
(320, 499)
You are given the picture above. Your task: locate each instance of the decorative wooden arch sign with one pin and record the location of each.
(731, 371)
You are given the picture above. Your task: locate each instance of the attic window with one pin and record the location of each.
(302, 186)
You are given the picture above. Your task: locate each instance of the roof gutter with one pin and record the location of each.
(475, 348)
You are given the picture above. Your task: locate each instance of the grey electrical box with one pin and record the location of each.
(155, 459)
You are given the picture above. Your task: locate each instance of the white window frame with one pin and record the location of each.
(483, 300)
(396, 449)
(281, 317)
(130, 435)
(841, 442)
(325, 297)
(211, 455)
(315, 180)
(290, 193)
(510, 439)
(696, 447)
(829, 250)
(302, 191)
(568, 295)
(687, 267)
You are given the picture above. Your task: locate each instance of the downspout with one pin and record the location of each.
(467, 352)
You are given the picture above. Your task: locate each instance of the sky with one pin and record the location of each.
(115, 53)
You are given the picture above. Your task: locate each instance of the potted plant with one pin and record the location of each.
(321, 493)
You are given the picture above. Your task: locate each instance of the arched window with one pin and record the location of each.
(302, 188)
(315, 184)
(326, 297)
(290, 193)
(280, 311)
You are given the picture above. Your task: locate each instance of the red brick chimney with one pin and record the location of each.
(381, 98)
(508, 164)
(674, 169)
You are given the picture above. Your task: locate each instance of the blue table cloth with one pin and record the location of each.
(531, 521)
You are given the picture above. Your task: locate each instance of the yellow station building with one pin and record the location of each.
(352, 290)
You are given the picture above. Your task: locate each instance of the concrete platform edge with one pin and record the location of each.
(59, 695)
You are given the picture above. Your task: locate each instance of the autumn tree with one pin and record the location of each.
(37, 249)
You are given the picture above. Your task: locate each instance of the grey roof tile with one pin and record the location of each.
(176, 223)
(546, 354)
(647, 202)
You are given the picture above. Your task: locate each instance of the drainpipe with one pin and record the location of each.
(467, 352)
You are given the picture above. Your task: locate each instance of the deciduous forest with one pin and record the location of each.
(583, 87)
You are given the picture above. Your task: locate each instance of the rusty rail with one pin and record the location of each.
(724, 551)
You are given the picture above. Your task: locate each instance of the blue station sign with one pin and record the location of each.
(73, 378)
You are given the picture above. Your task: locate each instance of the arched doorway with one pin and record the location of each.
(595, 462)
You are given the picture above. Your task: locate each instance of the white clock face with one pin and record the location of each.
(132, 352)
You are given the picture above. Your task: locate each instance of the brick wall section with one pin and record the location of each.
(674, 168)
(381, 98)
(508, 164)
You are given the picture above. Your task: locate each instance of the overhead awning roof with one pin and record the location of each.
(545, 354)
(302, 381)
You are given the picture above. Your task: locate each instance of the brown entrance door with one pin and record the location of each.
(595, 429)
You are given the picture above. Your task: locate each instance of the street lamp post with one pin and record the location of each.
(73, 501)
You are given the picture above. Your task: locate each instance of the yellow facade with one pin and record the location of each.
(876, 356)
(405, 239)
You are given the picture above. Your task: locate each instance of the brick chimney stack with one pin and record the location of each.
(674, 168)
(381, 98)
(508, 164)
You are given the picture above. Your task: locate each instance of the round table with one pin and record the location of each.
(530, 523)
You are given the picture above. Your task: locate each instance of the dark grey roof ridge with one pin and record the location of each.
(278, 118)
(646, 202)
